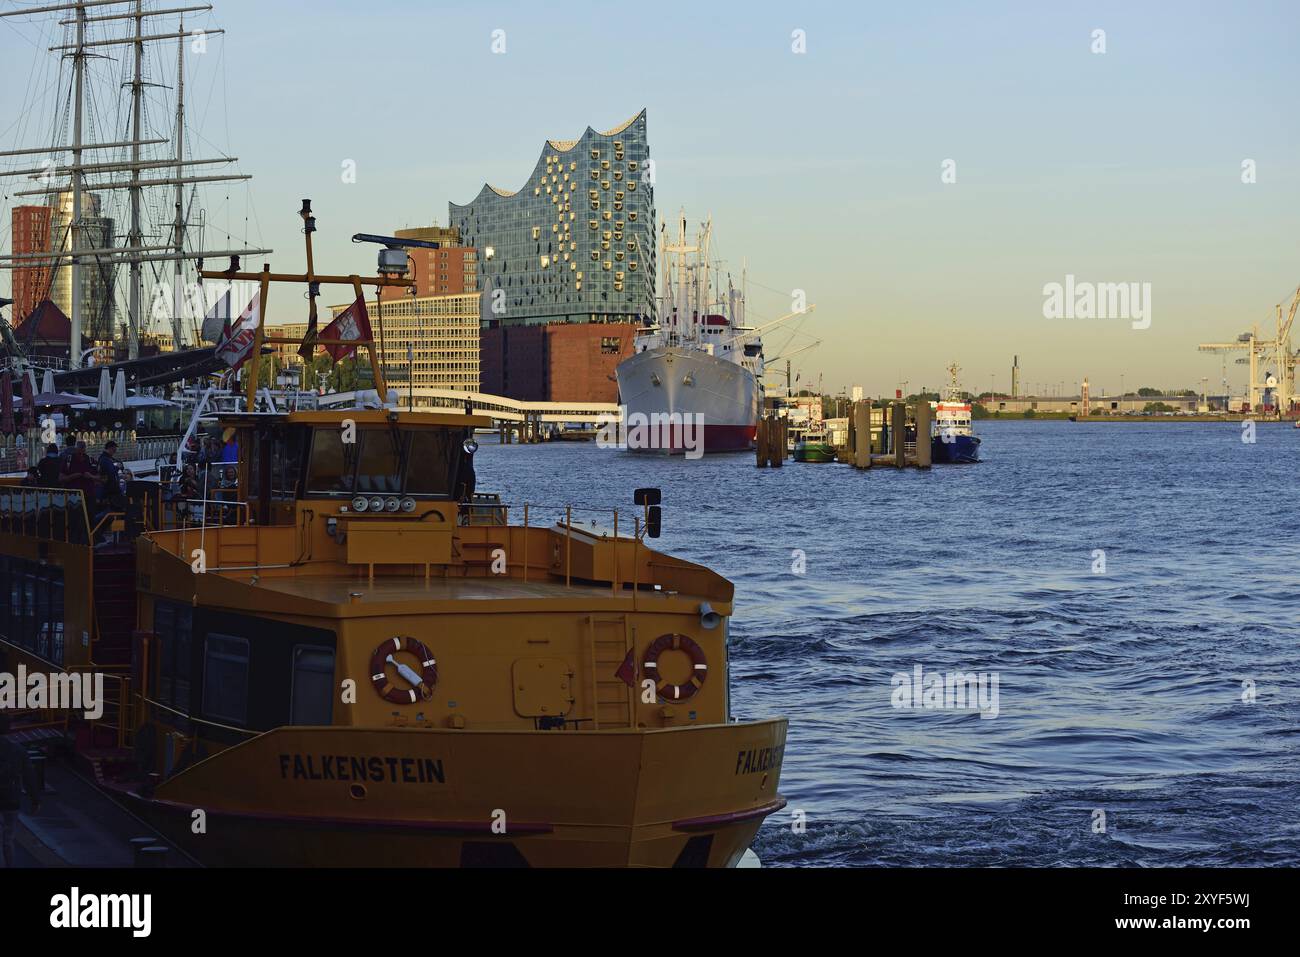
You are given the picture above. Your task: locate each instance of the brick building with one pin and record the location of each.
(31, 234)
(556, 363)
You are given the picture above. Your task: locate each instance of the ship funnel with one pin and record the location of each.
(708, 617)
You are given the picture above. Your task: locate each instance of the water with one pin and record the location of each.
(1119, 692)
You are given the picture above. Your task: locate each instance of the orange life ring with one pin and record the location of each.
(428, 675)
(699, 666)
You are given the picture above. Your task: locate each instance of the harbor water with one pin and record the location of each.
(1131, 587)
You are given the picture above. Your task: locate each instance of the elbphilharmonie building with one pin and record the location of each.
(576, 243)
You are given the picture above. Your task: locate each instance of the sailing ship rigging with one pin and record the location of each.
(77, 170)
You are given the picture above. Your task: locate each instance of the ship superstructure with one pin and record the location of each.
(699, 361)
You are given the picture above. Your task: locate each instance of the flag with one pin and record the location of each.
(627, 670)
(352, 323)
(217, 320)
(236, 343)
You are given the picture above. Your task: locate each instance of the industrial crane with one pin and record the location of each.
(1276, 351)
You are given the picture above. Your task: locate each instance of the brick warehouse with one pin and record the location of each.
(556, 362)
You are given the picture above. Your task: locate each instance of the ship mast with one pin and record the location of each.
(74, 228)
(136, 236)
(178, 227)
(135, 252)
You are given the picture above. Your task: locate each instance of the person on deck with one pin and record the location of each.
(69, 447)
(110, 472)
(16, 771)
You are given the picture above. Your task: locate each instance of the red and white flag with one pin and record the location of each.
(236, 343)
(352, 324)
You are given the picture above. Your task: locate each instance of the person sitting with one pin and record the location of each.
(228, 491)
(48, 467)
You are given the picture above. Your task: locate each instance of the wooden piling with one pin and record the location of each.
(922, 416)
(770, 436)
(862, 434)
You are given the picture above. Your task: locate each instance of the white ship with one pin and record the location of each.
(699, 366)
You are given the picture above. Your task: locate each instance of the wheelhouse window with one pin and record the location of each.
(332, 463)
(432, 461)
(225, 678)
(379, 468)
(385, 461)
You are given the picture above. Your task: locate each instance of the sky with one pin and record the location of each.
(824, 170)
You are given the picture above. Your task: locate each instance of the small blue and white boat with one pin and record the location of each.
(951, 439)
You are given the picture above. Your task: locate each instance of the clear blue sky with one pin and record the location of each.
(821, 169)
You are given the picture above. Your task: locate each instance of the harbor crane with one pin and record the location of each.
(1275, 352)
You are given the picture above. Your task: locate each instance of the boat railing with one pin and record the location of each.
(52, 514)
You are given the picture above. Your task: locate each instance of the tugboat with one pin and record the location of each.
(354, 657)
(952, 440)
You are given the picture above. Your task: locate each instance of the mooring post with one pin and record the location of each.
(862, 431)
(923, 413)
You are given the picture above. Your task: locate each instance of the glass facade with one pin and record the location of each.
(577, 242)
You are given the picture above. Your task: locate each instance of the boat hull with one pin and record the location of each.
(813, 452)
(954, 449)
(424, 797)
(663, 385)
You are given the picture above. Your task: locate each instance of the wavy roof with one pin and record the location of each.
(560, 146)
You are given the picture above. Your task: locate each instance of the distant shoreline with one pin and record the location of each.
(1131, 419)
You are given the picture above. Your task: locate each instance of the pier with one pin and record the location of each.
(879, 436)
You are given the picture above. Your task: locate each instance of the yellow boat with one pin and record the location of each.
(356, 659)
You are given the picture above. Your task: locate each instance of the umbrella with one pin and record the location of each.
(47, 383)
(45, 400)
(105, 389)
(139, 402)
(7, 403)
(29, 388)
(119, 390)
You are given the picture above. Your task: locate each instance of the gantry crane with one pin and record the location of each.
(1276, 352)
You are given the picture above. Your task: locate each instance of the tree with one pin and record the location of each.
(1147, 391)
(1157, 407)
